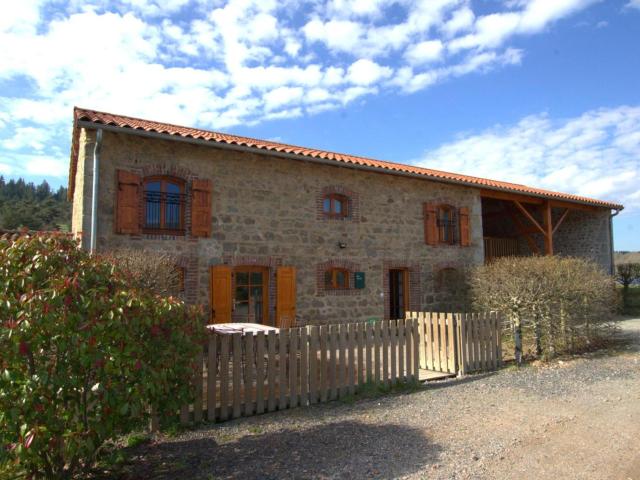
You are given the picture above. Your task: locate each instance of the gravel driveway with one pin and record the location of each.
(577, 418)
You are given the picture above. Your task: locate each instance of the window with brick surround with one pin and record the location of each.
(164, 205)
(447, 222)
(335, 206)
(336, 279)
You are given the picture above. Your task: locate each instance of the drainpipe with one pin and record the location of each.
(94, 191)
(613, 267)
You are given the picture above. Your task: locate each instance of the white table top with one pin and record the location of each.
(239, 327)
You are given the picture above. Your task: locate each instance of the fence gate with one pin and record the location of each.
(458, 342)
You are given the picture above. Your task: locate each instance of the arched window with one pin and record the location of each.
(336, 279)
(335, 206)
(450, 280)
(164, 204)
(447, 224)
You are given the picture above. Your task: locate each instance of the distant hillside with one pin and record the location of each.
(627, 257)
(36, 207)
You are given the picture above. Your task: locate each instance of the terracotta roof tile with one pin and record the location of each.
(124, 122)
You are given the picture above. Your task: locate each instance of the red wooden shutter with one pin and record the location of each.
(201, 208)
(286, 297)
(430, 224)
(128, 203)
(220, 290)
(465, 230)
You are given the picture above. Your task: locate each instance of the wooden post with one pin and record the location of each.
(212, 374)
(260, 339)
(548, 228)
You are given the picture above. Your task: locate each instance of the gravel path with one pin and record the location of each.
(577, 418)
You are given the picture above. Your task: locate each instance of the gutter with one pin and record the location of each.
(611, 250)
(293, 156)
(94, 191)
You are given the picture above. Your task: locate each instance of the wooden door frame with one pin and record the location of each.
(405, 281)
(266, 271)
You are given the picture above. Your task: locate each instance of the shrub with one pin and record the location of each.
(567, 303)
(83, 355)
(145, 270)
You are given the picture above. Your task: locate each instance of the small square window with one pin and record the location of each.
(336, 279)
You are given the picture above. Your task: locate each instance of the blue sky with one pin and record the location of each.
(541, 92)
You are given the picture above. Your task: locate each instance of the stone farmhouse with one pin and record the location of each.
(281, 235)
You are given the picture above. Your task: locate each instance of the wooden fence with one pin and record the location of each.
(243, 375)
(458, 343)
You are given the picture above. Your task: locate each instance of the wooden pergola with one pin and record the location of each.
(515, 203)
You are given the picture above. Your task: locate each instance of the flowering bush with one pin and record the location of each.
(82, 355)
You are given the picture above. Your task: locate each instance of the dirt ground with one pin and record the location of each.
(576, 418)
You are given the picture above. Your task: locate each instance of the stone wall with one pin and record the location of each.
(265, 212)
(585, 234)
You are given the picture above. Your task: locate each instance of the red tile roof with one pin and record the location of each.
(130, 123)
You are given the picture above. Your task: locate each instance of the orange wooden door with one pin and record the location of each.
(220, 286)
(285, 297)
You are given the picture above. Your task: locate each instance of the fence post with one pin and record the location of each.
(416, 349)
(212, 373)
(462, 344)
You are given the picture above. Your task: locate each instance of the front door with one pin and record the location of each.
(398, 293)
(251, 295)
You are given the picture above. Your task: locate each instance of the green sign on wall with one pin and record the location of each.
(359, 278)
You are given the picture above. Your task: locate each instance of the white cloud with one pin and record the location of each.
(281, 96)
(366, 72)
(424, 52)
(220, 63)
(596, 154)
(492, 30)
(633, 4)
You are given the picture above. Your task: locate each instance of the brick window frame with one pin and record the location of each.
(415, 283)
(455, 206)
(351, 198)
(269, 262)
(341, 264)
(189, 266)
(172, 171)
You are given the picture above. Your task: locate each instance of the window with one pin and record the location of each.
(335, 206)
(336, 279)
(164, 202)
(447, 224)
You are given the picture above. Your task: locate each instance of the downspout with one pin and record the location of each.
(94, 191)
(613, 266)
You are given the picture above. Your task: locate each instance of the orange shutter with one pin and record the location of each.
(128, 203)
(465, 230)
(201, 208)
(220, 290)
(430, 224)
(286, 297)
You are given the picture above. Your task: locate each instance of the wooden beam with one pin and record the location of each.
(576, 206)
(510, 196)
(548, 228)
(530, 217)
(564, 215)
(522, 229)
(523, 198)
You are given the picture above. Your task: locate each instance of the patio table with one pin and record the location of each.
(240, 327)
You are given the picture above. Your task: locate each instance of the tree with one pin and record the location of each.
(626, 275)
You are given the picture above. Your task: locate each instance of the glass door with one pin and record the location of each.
(250, 299)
